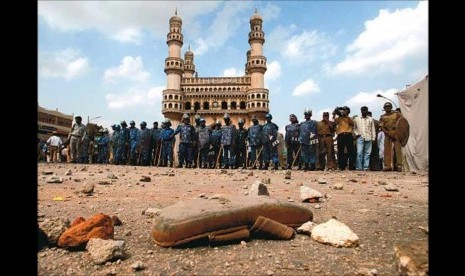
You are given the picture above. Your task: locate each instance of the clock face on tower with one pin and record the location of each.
(215, 104)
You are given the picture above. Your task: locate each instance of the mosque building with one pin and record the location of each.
(212, 97)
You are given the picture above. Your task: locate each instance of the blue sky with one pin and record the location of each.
(106, 58)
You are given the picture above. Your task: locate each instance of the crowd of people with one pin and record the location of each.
(362, 143)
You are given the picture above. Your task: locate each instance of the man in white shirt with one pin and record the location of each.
(364, 128)
(54, 143)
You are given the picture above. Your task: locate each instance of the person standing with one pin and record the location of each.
(292, 141)
(145, 145)
(204, 134)
(134, 137)
(364, 128)
(168, 141)
(241, 147)
(326, 130)
(77, 132)
(387, 124)
(255, 143)
(345, 140)
(54, 143)
(308, 138)
(269, 142)
(187, 137)
(228, 135)
(156, 142)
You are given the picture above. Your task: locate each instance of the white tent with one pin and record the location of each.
(414, 107)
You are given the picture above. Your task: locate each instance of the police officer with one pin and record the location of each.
(387, 124)
(168, 141)
(241, 147)
(133, 142)
(156, 143)
(144, 145)
(195, 147)
(270, 143)
(186, 140)
(123, 144)
(308, 141)
(292, 141)
(255, 142)
(204, 134)
(215, 145)
(103, 143)
(326, 130)
(228, 135)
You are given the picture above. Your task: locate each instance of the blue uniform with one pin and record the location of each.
(167, 146)
(308, 139)
(270, 149)
(156, 142)
(103, 149)
(228, 134)
(187, 136)
(123, 142)
(215, 142)
(134, 137)
(114, 141)
(204, 135)
(255, 143)
(145, 146)
(241, 147)
(292, 143)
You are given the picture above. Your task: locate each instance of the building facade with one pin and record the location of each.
(212, 97)
(53, 120)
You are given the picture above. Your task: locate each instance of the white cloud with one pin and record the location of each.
(223, 26)
(135, 97)
(389, 42)
(130, 68)
(369, 99)
(68, 64)
(307, 87)
(270, 12)
(273, 71)
(120, 20)
(233, 72)
(300, 45)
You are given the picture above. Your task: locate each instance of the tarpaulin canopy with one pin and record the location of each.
(414, 107)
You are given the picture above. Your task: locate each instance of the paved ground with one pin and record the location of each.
(380, 218)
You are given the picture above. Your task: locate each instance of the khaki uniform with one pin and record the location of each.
(325, 132)
(388, 121)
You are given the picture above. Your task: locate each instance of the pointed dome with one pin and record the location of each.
(256, 16)
(189, 53)
(175, 17)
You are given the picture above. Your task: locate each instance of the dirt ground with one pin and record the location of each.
(380, 218)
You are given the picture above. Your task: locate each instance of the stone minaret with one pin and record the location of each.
(189, 66)
(174, 69)
(257, 97)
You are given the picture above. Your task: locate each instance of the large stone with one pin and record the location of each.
(98, 226)
(103, 251)
(412, 258)
(309, 194)
(306, 228)
(151, 212)
(55, 179)
(112, 176)
(258, 188)
(53, 228)
(287, 174)
(335, 233)
(87, 188)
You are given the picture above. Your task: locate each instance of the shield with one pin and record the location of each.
(402, 131)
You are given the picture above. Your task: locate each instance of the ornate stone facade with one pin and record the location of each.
(212, 97)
